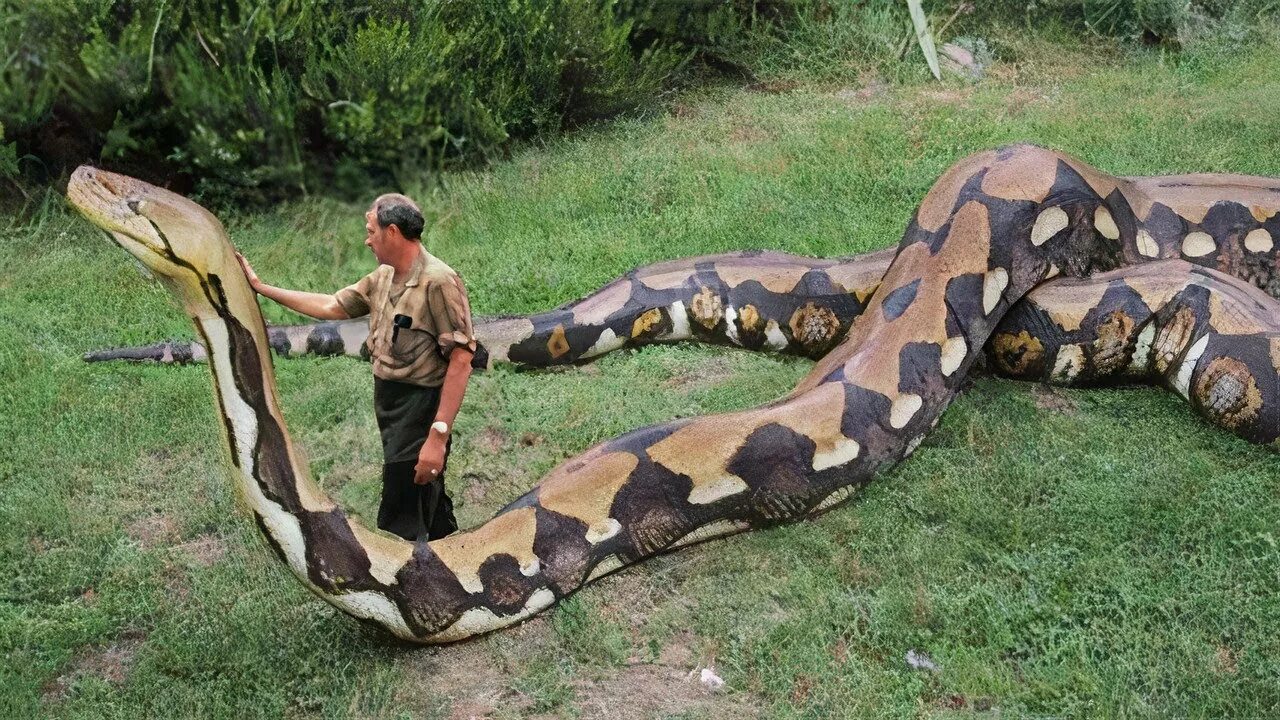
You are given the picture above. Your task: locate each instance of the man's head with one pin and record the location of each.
(393, 222)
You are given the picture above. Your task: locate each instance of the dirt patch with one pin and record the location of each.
(1227, 661)
(153, 531)
(1049, 398)
(747, 134)
(709, 374)
(472, 679)
(947, 97)
(772, 87)
(643, 691)
(205, 550)
(861, 95)
(111, 664)
(490, 440)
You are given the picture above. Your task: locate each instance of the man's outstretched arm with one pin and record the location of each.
(316, 305)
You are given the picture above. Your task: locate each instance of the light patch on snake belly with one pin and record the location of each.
(244, 422)
(993, 288)
(730, 325)
(715, 529)
(1049, 223)
(840, 495)
(1068, 364)
(844, 451)
(679, 323)
(604, 567)
(1105, 224)
(953, 353)
(599, 533)
(1182, 382)
(1141, 361)
(480, 620)
(904, 408)
(1198, 244)
(1147, 245)
(374, 606)
(606, 343)
(1258, 241)
(721, 487)
(911, 446)
(773, 337)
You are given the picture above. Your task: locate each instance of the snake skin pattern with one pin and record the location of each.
(992, 227)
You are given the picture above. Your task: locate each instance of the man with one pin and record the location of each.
(421, 343)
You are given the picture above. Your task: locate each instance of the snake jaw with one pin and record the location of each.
(178, 240)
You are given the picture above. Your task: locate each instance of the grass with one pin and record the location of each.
(1103, 554)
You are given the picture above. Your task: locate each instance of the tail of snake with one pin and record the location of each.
(992, 228)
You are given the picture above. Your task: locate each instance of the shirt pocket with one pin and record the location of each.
(410, 335)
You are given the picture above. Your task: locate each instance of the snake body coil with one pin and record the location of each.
(893, 349)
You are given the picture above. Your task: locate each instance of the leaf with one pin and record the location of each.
(924, 37)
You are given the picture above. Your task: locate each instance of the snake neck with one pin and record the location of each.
(335, 557)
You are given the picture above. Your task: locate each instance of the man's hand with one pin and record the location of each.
(430, 459)
(249, 274)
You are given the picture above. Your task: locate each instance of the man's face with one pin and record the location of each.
(375, 237)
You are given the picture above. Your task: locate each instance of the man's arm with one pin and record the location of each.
(317, 305)
(431, 457)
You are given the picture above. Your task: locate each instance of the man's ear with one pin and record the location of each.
(394, 230)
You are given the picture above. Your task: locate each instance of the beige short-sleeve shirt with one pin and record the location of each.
(414, 326)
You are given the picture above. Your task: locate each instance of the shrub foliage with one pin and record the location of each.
(248, 100)
(254, 98)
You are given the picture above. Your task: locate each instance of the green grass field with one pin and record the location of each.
(1055, 553)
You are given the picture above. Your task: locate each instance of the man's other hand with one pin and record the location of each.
(430, 459)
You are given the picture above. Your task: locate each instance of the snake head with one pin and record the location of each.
(177, 239)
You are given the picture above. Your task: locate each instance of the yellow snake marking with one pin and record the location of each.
(936, 207)
(584, 488)
(778, 279)
(510, 533)
(702, 449)
(1029, 175)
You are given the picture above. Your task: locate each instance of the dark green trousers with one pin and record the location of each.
(412, 511)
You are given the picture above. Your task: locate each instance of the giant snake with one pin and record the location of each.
(1163, 278)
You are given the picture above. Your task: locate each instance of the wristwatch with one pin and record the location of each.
(441, 427)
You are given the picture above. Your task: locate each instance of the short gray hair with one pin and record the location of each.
(399, 210)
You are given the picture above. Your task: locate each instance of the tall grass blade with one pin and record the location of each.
(924, 37)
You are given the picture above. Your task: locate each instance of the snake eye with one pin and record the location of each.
(134, 205)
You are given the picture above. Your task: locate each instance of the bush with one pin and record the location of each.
(253, 99)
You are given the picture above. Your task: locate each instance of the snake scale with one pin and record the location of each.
(1164, 278)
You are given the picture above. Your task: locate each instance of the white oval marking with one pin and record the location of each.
(1105, 224)
(773, 337)
(1182, 383)
(993, 287)
(600, 532)
(1050, 223)
(903, 409)
(1068, 364)
(722, 487)
(1141, 361)
(953, 353)
(679, 323)
(606, 343)
(844, 451)
(1198, 244)
(1258, 240)
(1147, 246)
